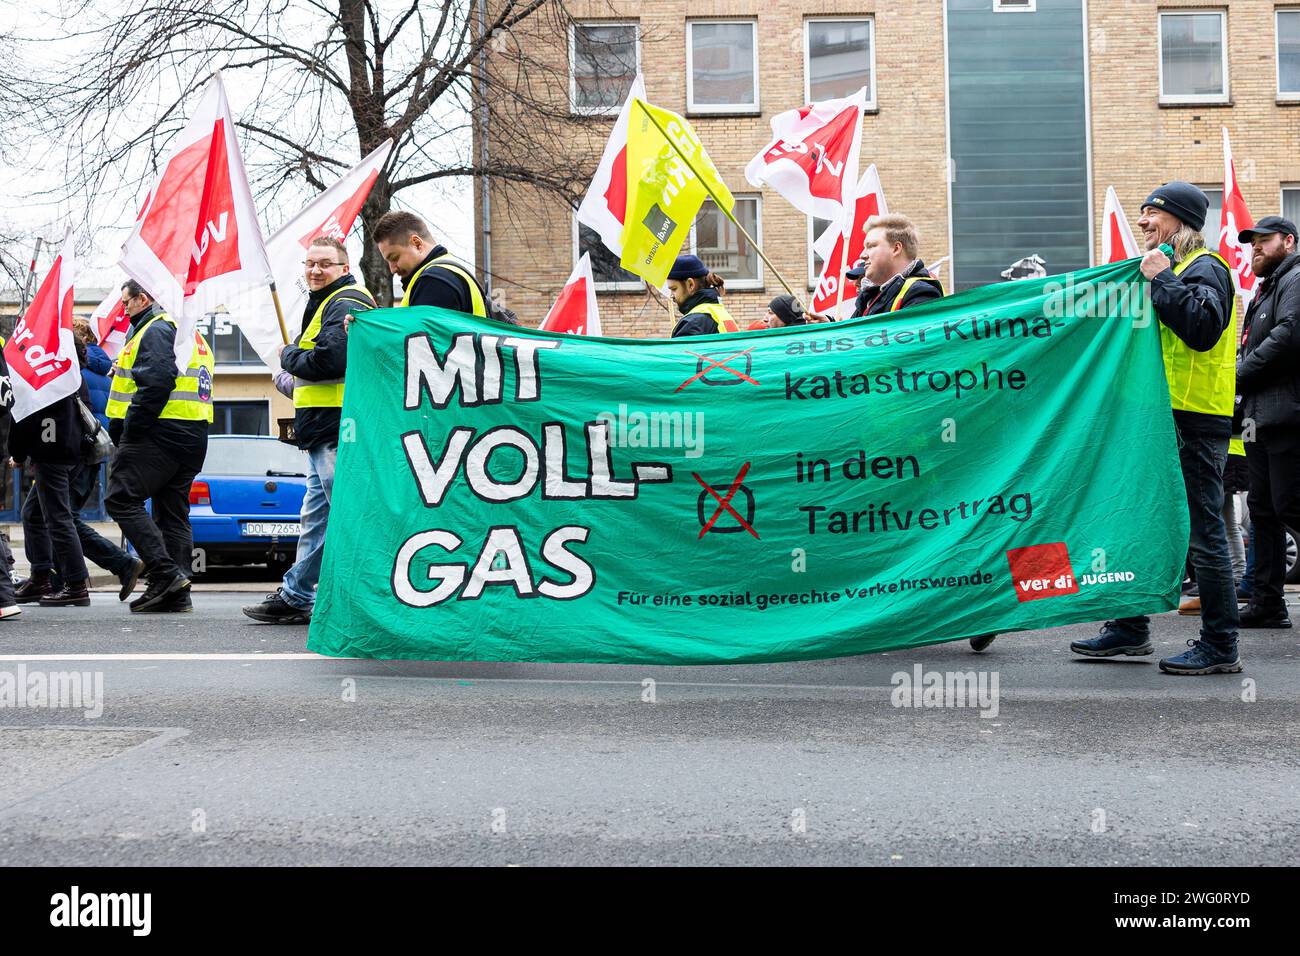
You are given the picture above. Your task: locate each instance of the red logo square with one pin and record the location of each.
(1041, 570)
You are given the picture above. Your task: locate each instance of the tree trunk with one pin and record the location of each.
(374, 270)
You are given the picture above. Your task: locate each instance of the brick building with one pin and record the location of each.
(996, 125)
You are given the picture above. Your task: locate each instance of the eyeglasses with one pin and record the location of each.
(322, 264)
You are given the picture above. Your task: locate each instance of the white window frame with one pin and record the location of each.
(813, 272)
(1223, 97)
(724, 108)
(1282, 190)
(574, 108)
(807, 54)
(1211, 241)
(637, 286)
(1000, 6)
(744, 285)
(1286, 95)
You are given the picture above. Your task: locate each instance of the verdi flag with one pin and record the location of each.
(797, 493)
(669, 175)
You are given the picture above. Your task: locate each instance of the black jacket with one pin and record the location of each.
(440, 287)
(1196, 306)
(326, 361)
(702, 323)
(873, 299)
(52, 434)
(1268, 369)
(155, 377)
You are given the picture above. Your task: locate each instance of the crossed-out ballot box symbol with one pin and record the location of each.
(722, 504)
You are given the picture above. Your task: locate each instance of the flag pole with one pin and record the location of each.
(703, 182)
(279, 313)
(31, 275)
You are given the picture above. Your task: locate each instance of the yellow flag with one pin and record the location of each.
(669, 175)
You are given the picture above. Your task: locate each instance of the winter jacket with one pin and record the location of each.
(52, 434)
(1196, 306)
(155, 378)
(95, 374)
(1268, 368)
(873, 299)
(440, 287)
(701, 323)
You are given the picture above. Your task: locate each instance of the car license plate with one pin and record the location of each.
(270, 529)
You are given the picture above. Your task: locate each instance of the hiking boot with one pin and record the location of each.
(1256, 617)
(1114, 638)
(67, 596)
(276, 610)
(34, 588)
(175, 603)
(1203, 658)
(982, 642)
(129, 578)
(158, 591)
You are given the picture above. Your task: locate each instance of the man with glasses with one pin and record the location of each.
(317, 361)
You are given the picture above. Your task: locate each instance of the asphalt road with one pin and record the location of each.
(263, 754)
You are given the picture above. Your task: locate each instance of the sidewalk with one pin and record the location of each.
(98, 576)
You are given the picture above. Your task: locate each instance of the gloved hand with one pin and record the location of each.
(284, 383)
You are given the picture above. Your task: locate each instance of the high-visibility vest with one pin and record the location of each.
(907, 287)
(327, 394)
(1204, 382)
(446, 262)
(718, 313)
(191, 396)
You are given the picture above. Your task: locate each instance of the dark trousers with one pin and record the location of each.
(143, 470)
(1203, 452)
(1273, 460)
(94, 545)
(49, 534)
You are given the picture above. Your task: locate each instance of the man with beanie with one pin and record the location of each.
(697, 292)
(895, 276)
(785, 310)
(1193, 298)
(1268, 380)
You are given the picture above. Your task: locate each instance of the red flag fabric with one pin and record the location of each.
(41, 353)
(840, 251)
(198, 241)
(1234, 218)
(110, 322)
(1117, 242)
(604, 208)
(575, 310)
(812, 159)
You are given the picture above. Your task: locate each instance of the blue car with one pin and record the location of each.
(246, 503)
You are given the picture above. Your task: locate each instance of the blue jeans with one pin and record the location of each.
(1203, 452)
(299, 588)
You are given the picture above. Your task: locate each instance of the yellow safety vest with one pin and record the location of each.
(907, 286)
(446, 262)
(327, 394)
(718, 313)
(191, 397)
(1204, 382)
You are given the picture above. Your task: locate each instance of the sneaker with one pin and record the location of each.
(68, 597)
(1259, 618)
(177, 602)
(13, 610)
(129, 578)
(34, 588)
(1190, 606)
(982, 642)
(158, 591)
(1203, 658)
(1114, 638)
(276, 610)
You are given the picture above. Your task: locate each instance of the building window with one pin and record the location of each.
(609, 275)
(840, 59)
(1288, 54)
(1212, 215)
(240, 418)
(722, 66)
(1291, 201)
(604, 58)
(229, 347)
(1194, 57)
(722, 247)
(815, 262)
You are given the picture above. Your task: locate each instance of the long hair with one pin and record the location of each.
(710, 281)
(1186, 241)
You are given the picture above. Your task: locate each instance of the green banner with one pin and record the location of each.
(1000, 460)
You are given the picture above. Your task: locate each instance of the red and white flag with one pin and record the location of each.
(198, 243)
(840, 250)
(333, 213)
(1234, 218)
(41, 353)
(812, 159)
(111, 323)
(604, 208)
(575, 308)
(1117, 242)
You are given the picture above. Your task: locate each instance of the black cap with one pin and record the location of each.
(1183, 200)
(1267, 225)
(788, 310)
(688, 267)
(857, 272)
